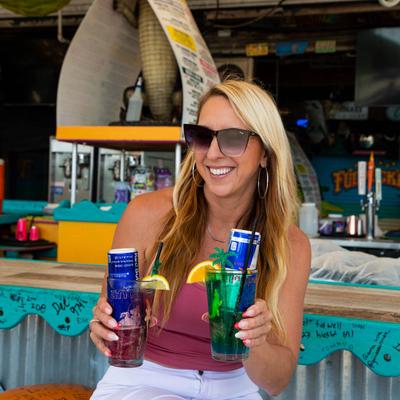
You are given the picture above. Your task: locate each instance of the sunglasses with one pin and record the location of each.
(232, 142)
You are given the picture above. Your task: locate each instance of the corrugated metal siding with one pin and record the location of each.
(33, 353)
(341, 376)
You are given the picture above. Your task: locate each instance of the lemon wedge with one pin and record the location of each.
(155, 281)
(198, 272)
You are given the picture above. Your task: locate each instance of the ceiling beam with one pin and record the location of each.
(278, 11)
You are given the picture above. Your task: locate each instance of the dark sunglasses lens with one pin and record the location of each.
(198, 138)
(233, 142)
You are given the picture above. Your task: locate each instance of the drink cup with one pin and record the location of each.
(132, 304)
(21, 231)
(223, 287)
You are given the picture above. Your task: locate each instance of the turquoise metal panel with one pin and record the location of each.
(67, 312)
(86, 211)
(376, 344)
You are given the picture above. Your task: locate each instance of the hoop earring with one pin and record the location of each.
(193, 174)
(262, 195)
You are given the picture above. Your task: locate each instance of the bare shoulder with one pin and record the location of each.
(151, 206)
(300, 249)
(143, 218)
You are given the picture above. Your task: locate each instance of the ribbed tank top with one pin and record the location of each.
(185, 340)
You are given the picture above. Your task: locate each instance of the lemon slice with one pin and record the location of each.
(198, 272)
(155, 281)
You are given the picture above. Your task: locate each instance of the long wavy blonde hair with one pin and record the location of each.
(185, 224)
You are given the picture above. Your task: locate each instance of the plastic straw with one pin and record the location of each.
(157, 263)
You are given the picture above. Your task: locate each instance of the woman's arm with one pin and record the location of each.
(139, 227)
(270, 364)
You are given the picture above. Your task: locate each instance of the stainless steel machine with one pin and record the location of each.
(60, 171)
(109, 168)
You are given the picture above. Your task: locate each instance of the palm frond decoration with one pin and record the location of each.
(222, 257)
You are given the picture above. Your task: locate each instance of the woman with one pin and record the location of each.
(229, 177)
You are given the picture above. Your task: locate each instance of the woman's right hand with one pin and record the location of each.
(101, 325)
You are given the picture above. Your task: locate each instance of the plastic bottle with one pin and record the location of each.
(308, 219)
(135, 103)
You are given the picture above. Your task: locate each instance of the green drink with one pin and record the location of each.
(223, 288)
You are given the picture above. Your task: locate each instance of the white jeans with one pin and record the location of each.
(152, 381)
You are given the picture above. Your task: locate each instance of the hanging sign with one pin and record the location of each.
(257, 49)
(325, 46)
(289, 48)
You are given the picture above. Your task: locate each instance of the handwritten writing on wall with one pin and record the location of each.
(67, 312)
(376, 344)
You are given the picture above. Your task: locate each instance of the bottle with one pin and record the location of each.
(122, 192)
(308, 219)
(135, 103)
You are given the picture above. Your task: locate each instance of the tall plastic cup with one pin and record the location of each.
(132, 304)
(223, 289)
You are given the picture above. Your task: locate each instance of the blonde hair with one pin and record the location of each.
(186, 222)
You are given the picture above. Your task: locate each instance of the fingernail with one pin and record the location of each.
(108, 310)
(242, 325)
(112, 336)
(112, 323)
(237, 325)
(246, 342)
(240, 335)
(248, 313)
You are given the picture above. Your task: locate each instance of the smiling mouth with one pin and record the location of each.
(220, 171)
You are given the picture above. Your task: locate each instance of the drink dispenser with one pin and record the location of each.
(60, 171)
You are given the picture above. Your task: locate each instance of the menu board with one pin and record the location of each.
(196, 66)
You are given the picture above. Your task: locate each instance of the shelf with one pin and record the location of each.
(154, 138)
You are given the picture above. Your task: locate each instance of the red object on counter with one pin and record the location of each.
(21, 232)
(370, 173)
(34, 233)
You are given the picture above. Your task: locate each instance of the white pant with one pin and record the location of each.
(152, 381)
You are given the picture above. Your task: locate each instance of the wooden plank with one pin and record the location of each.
(353, 302)
(75, 277)
(368, 303)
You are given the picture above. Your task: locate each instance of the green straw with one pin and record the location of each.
(157, 263)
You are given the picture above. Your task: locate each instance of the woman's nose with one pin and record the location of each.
(213, 150)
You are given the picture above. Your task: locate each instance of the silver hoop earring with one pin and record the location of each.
(262, 195)
(193, 175)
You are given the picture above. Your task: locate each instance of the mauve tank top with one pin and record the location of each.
(185, 340)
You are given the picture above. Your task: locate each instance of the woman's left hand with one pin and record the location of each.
(255, 325)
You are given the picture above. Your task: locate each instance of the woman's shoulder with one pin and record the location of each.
(299, 244)
(151, 206)
(143, 219)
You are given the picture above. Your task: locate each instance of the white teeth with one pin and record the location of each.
(220, 171)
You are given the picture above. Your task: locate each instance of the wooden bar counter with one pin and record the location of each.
(362, 319)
